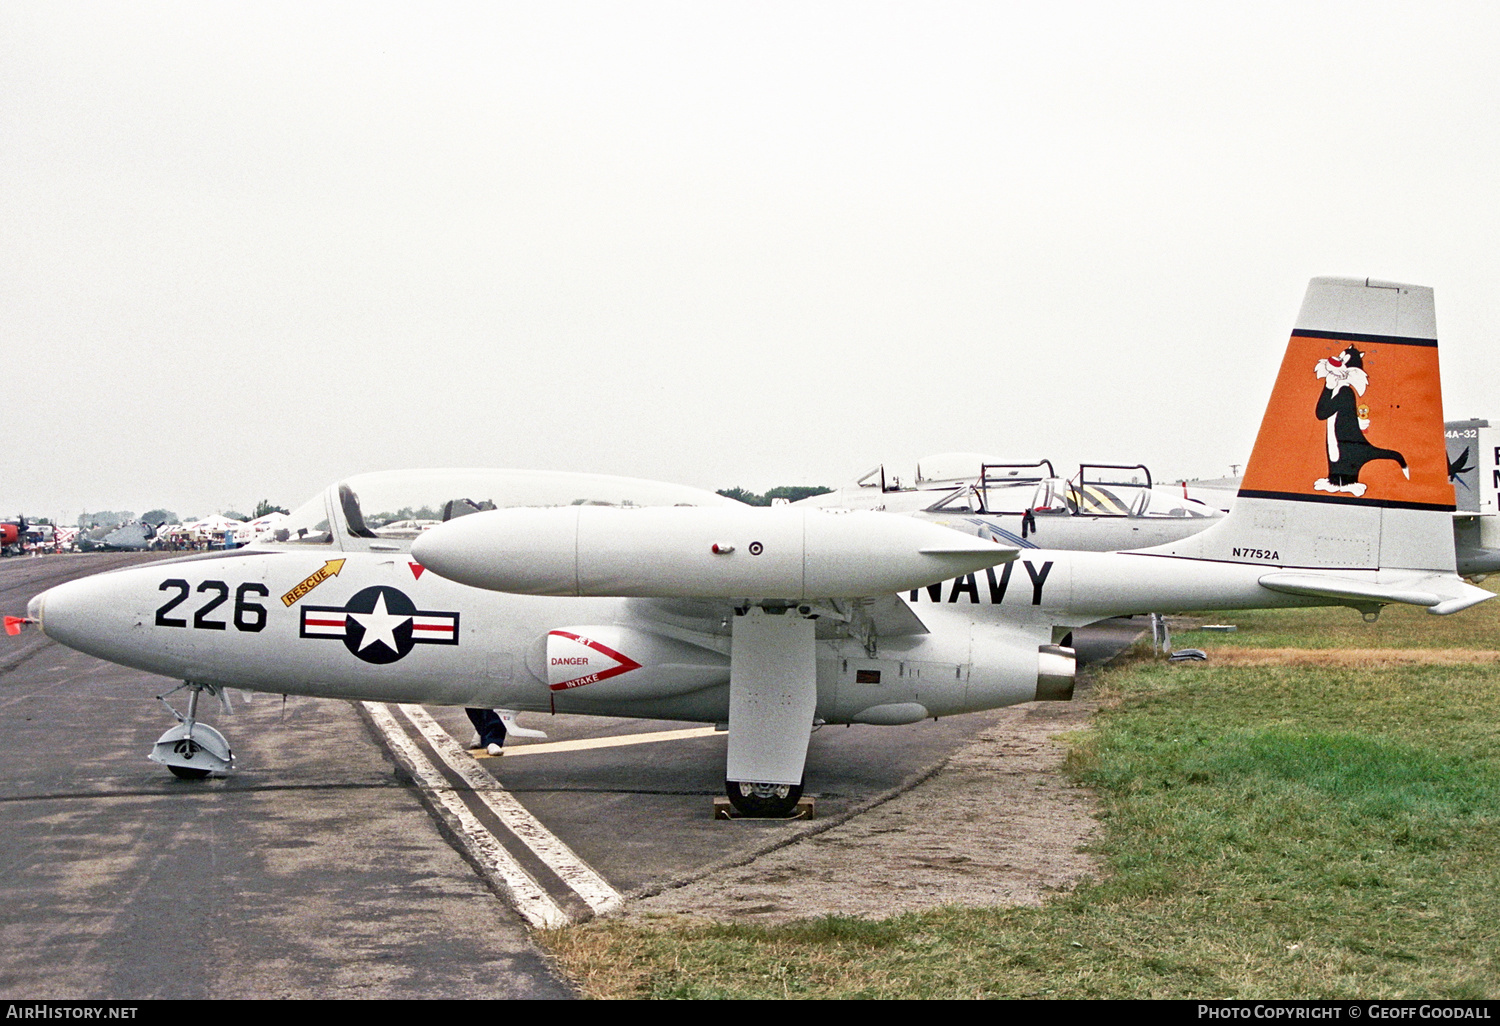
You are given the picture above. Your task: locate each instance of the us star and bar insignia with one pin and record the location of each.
(380, 625)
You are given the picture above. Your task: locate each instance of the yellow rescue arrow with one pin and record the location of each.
(312, 580)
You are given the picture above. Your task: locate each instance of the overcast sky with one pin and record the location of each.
(249, 249)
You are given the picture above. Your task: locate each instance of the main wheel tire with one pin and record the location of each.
(188, 772)
(763, 801)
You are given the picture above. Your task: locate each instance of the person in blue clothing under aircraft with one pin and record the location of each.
(490, 727)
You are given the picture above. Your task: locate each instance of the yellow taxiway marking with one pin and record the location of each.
(617, 741)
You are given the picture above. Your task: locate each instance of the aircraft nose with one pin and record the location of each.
(51, 609)
(71, 613)
(110, 615)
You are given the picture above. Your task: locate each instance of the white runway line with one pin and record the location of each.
(617, 741)
(530, 900)
(556, 855)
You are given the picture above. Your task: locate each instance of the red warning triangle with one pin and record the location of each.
(573, 661)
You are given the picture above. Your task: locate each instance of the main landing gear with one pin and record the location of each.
(193, 750)
(773, 696)
(763, 801)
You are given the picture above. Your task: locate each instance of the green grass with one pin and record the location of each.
(1267, 832)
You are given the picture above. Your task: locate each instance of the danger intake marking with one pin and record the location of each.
(312, 580)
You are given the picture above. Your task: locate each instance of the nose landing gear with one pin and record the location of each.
(193, 750)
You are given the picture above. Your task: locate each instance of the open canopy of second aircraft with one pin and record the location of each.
(609, 596)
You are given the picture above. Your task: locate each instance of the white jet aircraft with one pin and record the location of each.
(614, 597)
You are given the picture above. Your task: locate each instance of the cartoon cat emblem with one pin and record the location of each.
(1345, 381)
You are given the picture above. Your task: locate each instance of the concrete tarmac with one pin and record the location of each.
(315, 870)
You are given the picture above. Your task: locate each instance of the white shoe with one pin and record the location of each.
(494, 749)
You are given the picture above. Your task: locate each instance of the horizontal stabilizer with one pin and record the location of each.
(1440, 595)
(1336, 588)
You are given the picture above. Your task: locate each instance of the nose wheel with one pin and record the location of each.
(193, 750)
(188, 773)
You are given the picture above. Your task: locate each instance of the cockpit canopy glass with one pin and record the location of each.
(305, 525)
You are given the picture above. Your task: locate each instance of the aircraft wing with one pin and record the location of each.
(881, 616)
(893, 618)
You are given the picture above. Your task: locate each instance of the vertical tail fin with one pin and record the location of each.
(1350, 468)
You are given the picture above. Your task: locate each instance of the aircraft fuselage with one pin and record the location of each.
(377, 626)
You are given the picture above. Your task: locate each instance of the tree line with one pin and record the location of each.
(791, 493)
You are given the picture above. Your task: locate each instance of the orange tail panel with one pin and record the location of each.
(1354, 418)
